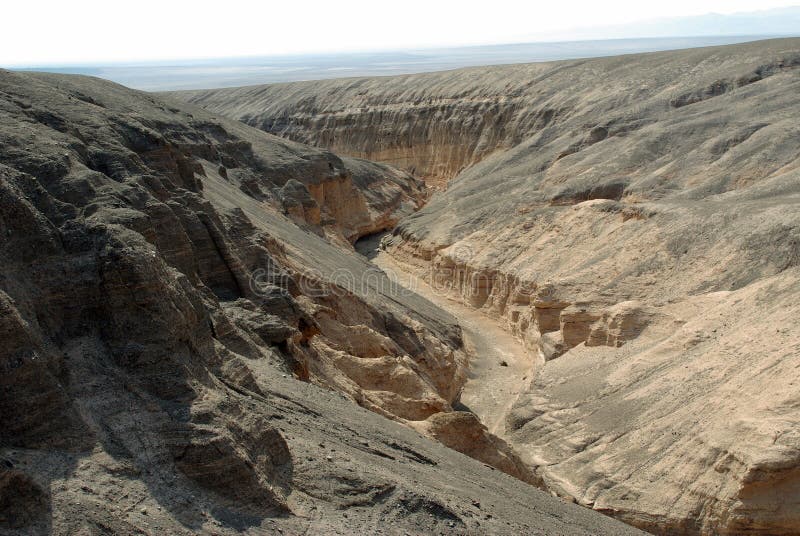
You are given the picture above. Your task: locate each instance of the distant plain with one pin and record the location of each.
(233, 72)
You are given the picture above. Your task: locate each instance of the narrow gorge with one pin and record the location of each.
(632, 222)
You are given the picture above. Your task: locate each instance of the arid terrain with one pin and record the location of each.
(632, 222)
(496, 300)
(191, 345)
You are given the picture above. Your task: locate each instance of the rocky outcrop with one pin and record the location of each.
(156, 202)
(173, 343)
(632, 221)
(622, 322)
(462, 431)
(345, 205)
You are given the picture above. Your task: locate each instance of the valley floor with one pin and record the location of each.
(500, 368)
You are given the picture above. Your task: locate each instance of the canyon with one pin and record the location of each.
(192, 345)
(553, 298)
(631, 222)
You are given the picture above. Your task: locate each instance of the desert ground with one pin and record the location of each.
(557, 298)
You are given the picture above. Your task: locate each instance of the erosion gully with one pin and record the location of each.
(500, 368)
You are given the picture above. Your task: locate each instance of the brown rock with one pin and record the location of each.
(462, 431)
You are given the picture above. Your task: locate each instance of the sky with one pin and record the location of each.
(38, 32)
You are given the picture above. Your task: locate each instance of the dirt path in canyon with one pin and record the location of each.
(500, 367)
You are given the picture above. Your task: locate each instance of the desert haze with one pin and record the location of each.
(555, 298)
(233, 72)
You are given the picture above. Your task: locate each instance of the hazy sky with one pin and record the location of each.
(70, 31)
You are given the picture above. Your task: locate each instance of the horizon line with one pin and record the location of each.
(356, 52)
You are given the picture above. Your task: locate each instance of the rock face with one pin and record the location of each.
(166, 284)
(462, 431)
(633, 221)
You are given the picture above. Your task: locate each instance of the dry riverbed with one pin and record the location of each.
(500, 368)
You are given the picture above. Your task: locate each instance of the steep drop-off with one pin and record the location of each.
(633, 220)
(180, 354)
